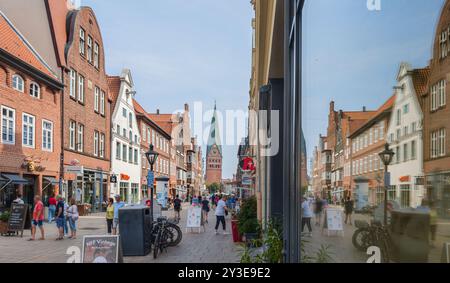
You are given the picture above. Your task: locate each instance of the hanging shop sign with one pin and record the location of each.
(247, 164)
(124, 177)
(113, 179)
(247, 180)
(405, 179)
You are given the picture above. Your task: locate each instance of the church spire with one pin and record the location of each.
(214, 133)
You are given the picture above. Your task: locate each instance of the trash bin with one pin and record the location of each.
(135, 225)
(410, 232)
(235, 230)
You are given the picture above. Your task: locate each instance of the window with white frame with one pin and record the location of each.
(143, 133)
(28, 128)
(442, 144)
(96, 99)
(96, 137)
(8, 125)
(73, 84)
(102, 145)
(82, 41)
(443, 44)
(81, 88)
(398, 117)
(130, 120)
(124, 153)
(381, 131)
(80, 138)
(47, 135)
(35, 90)
(72, 130)
(96, 55)
(89, 49)
(405, 152)
(18, 83)
(136, 156)
(102, 102)
(124, 112)
(118, 150)
(438, 95)
(130, 155)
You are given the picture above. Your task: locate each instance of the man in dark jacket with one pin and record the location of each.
(348, 206)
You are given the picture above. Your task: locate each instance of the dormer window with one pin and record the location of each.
(18, 83)
(35, 90)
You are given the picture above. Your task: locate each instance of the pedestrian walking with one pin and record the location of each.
(306, 215)
(348, 209)
(38, 219)
(117, 205)
(195, 201)
(110, 215)
(51, 208)
(66, 220)
(318, 210)
(221, 211)
(205, 209)
(72, 215)
(59, 217)
(177, 207)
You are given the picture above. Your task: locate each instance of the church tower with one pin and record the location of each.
(214, 153)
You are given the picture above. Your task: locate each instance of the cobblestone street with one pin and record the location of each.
(194, 248)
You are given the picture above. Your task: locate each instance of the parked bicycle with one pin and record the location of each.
(373, 234)
(165, 234)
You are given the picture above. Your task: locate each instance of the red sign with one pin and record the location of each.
(247, 164)
(124, 177)
(405, 179)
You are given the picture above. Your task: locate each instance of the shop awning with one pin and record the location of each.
(15, 179)
(2, 180)
(52, 180)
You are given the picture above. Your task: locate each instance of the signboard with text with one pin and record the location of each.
(101, 249)
(17, 218)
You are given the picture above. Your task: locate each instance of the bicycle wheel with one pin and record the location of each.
(175, 235)
(360, 239)
(156, 246)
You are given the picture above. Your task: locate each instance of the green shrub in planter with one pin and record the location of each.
(4, 217)
(248, 220)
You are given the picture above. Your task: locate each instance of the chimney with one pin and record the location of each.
(186, 107)
(157, 111)
(332, 106)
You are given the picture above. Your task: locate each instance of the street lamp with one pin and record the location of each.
(151, 157)
(386, 157)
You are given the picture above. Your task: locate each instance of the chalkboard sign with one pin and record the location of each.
(101, 249)
(17, 218)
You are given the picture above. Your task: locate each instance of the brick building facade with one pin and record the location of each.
(29, 137)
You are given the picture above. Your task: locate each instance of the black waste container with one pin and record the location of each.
(410, 232)
(135, 230)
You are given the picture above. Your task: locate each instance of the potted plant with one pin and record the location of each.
(4, 218)
(248, 222)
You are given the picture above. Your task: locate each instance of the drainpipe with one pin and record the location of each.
(61, 167)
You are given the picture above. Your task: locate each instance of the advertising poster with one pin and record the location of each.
(194, 219)
(100, 249)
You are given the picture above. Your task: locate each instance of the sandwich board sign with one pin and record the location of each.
(194, 218)
(333, 220)
(18, 217)
(101, 249)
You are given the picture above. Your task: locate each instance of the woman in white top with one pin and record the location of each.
(72, 216)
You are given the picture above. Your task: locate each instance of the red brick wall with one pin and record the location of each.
(84, 113)
(213, 175)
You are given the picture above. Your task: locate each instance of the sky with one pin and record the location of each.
(352, 55)
(182, 52)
